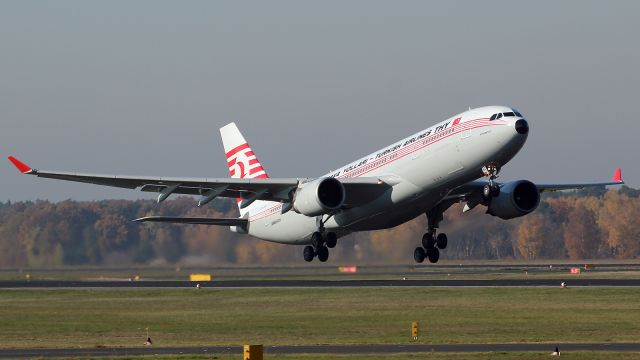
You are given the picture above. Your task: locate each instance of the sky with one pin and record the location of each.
(142, 87)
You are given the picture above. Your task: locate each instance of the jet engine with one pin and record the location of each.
(516, 198)
(320, 196)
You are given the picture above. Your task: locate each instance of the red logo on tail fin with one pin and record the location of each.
(243, 163)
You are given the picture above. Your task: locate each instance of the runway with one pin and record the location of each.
(322, 349)
(227, 284)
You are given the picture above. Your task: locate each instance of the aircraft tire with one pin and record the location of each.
(433, 255)
(441, 241)
(489, 191)
(486, 192)
(427, 241)
(308, 253)
(419, 254)
(323, 253)
(331, 240)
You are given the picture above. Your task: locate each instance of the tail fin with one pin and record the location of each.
(241, 160)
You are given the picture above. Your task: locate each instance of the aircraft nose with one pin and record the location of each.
(522, 127)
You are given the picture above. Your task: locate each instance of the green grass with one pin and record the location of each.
(182, 317)
(430, 356)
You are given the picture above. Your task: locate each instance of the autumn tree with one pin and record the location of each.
(619, 220)
(581, 233)
(531, 235)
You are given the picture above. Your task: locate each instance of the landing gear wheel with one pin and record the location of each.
(433, 255)
(489, 191)
(427, 241)
(441, 241)
(486, 191)
(308, 253)
(331, 240)
(419, 254)
(323, 253)
(316, 239)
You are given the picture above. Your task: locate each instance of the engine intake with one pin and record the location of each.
(320, 196)
(517, 198)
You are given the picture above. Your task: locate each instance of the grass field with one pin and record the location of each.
(431, 356)
(180, 317)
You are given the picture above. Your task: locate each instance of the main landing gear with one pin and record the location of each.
(320, 246)
(432, 243)
(321, 242)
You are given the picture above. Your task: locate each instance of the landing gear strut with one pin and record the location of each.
(490, 190)
(321, 241)
(431, 243)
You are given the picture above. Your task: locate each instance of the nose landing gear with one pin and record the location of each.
(490, 190)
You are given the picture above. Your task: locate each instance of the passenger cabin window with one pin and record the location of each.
(509, 114)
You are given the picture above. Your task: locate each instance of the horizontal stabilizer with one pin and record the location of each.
(195, 220)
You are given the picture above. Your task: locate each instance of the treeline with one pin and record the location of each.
(578, 225)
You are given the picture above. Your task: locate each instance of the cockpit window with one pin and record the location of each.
(493, 117)
(499, 116)
(509, 114)
(517, 113)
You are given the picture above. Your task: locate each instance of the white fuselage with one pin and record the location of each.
(422, 169)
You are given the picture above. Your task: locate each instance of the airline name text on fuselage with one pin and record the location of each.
(380, 158)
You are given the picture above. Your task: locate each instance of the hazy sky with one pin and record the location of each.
(141, 87)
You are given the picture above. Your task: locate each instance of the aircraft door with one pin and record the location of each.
(463, 144)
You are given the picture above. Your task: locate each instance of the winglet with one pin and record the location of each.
(24, 168)
(617, 176)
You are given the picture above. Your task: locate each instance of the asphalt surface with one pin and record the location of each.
(316, 283)
(323, 349)
(306, 266)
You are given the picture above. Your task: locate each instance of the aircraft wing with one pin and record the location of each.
(473, 189)
(358, 190)
(615, 180)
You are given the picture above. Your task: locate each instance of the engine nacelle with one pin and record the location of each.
(516, 198)
(320, 196)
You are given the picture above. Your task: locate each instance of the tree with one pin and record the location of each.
(531, 235)
(619, 220)
(581, 233)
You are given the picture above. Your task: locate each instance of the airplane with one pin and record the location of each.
(454, 161)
